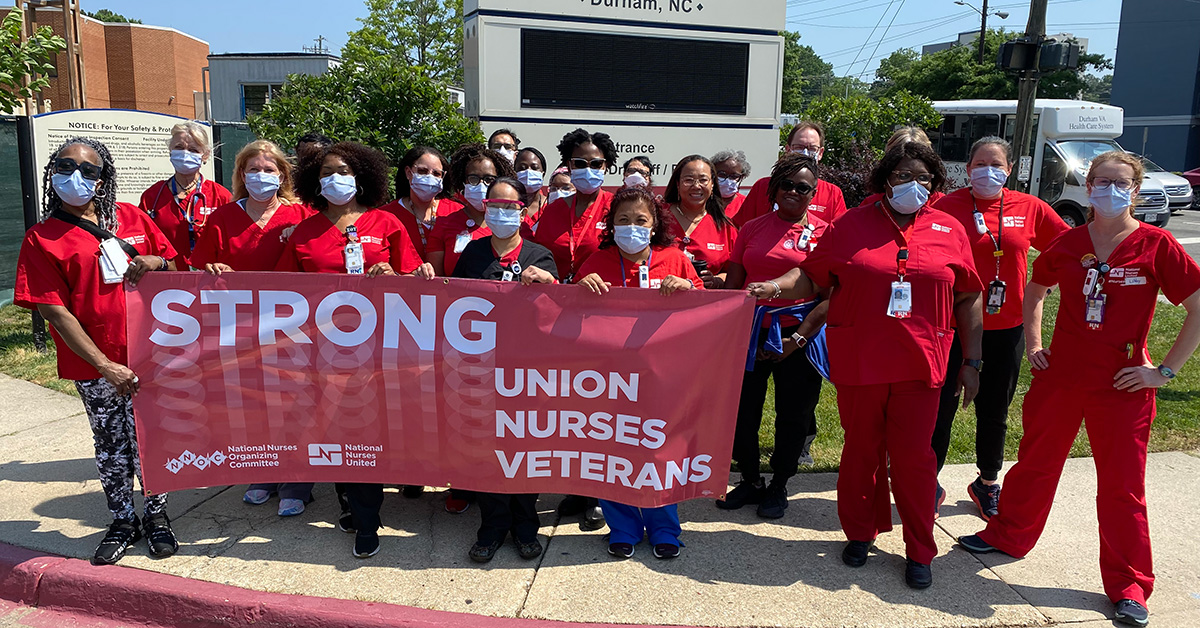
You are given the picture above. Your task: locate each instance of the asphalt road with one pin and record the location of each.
(1186, 227)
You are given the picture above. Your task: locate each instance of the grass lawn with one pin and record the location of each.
(19, 358)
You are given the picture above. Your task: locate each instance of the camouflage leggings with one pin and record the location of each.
(111, 416)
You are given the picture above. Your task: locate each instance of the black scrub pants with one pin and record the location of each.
(1003, 350)
(365, 501)
(500, 514)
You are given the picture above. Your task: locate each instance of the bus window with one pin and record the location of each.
(958, 132)
(1053, 176)
(1010, 128)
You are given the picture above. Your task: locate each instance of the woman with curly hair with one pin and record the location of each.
(71, 269)
(897, 274)
(473, 168)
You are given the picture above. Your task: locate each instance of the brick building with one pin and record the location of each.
(131, 66)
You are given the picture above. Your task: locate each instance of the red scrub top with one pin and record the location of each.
(708, 242)
(316, 246)
(417, 232)
(171, 217)
(857, 259)
(827, 203)
(572, 240)
(59, 264)
(769, 246)
(734, 206)
(445, 235)
(1028, 222)
(1148, 260)
(664, 260)
(231, 237)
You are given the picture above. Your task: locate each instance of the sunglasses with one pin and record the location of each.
(88, 170)
(578, 163)
(787, 185)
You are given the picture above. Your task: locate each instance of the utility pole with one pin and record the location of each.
(982, 29)
(1035, 33)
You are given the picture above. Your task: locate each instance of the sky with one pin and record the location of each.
(853, 35)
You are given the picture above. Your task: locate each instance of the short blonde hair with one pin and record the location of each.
(252, 150)
(906, 134)
(196, 131)
(1119, 157)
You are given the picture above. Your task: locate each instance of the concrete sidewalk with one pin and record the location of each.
(737, 569)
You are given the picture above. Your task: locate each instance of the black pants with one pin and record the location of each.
(365, 501)
(1003, 350)
(797, 391)
(501, 514)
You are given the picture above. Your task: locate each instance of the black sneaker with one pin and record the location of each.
(572, 505)
(621, 550)
(666, 551)
(159, 536)
(774, 503)
(746, 492)
(986, 497)
(529, 550)
(855, 553)
(593, 519)
(121, 534)
(940, 499)
(346, 522)
(481, 553)
(412, 492)
(366, 544)
(918, 575)
(972, 543)
(1131, 613)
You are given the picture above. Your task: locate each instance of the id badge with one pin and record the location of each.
(643, 276)
(506, 276)
(997, 292)
(980, 226)
(1089, 282)
(461, 241)
(113, 262)
(805, 236)
(900, 305)
(354, 258)
(1095, 311)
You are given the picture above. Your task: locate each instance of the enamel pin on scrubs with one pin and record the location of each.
(353, 252)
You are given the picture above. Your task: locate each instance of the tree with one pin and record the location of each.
(104, 15)
(805, 74)
(423, 33)
(1099, 88)
(32, 59)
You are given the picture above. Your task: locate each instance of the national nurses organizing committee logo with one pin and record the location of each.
(324, 455)
(187, 458)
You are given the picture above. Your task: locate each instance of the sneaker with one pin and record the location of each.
(666, 551)
(975, 545)
(456, 506)
(593, 519)
(290, 507)
(529, 550)
(941, 499)
(986, 498)
(256, 496)
(121, 534)
(746, 492)
(918, 575)
(483, 553)
(1131, 613)
(774, 503)
(855, 553)
(572, 505)
(159, 536)
(346, 522)
(806, 458)
(621, 550)
(366, 544)
(412, 492)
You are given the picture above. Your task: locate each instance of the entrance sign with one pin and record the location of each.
(488, 386)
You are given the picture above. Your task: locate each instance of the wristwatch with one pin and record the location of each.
(1166, 371)
(975, 364)
(801, 341)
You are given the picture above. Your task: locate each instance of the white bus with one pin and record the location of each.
(1067, 135)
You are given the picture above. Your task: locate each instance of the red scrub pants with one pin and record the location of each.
(1118, 428)
(889, 421)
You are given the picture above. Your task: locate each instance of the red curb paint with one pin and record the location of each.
(20, 570)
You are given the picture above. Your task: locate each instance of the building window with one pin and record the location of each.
(256, 97)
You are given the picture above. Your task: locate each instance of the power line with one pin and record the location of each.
(859, 9)
(869, 36)
(885, 31)
(930, 26)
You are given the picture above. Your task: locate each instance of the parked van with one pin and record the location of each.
(1067, 135)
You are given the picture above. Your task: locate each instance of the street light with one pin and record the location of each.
(983, 16)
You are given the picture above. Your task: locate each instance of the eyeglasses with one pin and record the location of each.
(904, 176)
(644, 173)
(502, 203)
(730, 176)
(427, 170)
(87, 169)
(500, 145)
(803, 189)
(812, 148)
(692, 181)
(579, 163)
(1100, 183)
(476, 179)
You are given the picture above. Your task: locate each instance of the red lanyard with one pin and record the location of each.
(998, 239)
(587, 220)
(905, 235)
(625, 277)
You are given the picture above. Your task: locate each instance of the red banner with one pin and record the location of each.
(489, 386)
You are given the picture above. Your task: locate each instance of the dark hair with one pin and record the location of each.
(991, 140)
(807, 124)
(645, 161)
(511, 182)
(468, 154)
(312, 137)
(877, 182)
(410, 158)
(105, 201)
(536, 153)
(662, 234)
(788, 165)
(516, 140)
(579, 137)
(370, 168)
(713, 206)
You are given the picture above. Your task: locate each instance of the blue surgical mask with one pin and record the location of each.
(1110, 202)
(186, 162)
(73, 189)
(988, 181)
(531, 179)
(339, 189)
(425, 186)
(909, 197)
(728, 187)
(587, 180)
(261, 185)
(632, 239)
(559, 193)
(503, 222)
(475, 195)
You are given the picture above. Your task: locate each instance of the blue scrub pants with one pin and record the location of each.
(629, 524)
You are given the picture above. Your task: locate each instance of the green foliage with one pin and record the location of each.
(423, 33)
(33, 59)
(867, 119)
(1099, 88)
(955, 73)
(805, 75)
(104, 15)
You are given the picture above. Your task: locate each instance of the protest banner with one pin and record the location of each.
(480, 385)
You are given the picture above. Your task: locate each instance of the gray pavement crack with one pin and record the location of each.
(1046, 618)
(538, 567)
(33, 427)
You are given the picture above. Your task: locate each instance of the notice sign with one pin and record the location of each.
(137, 140)
(489, 386)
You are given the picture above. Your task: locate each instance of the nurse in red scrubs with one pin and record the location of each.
(181, 205)
(698, 220)
(419, 193)
(806, 137)
(531, 172)
(1098, 371)
(732, 169)
(898, 273)
(472, 169)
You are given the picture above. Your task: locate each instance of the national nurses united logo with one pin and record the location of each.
(187, 458)
(324, 455)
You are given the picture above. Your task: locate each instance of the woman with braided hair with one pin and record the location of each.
(81, 292)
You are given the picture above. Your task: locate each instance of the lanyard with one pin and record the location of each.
(424, 228)
(624, 277)
(905, 234)
(587, 220)
(188, 212)
(998, 239)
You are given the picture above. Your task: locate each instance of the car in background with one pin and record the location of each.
(1178, 189)
(1153, 204)
(1193, 179)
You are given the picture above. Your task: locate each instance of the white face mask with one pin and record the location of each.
(425, 187)
(503, 222)
(475, 195)
(509, 154)
(635, 179)
(988, 181)
(909, 197)
(339, 189)
(728, 187)
(1111, 202)
(261, 186)
(558, 193)
(815, 154)
(186, 162)
(632, 239)
(531, 179)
